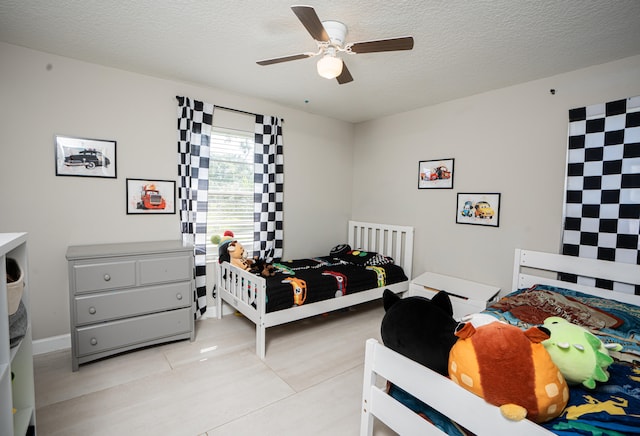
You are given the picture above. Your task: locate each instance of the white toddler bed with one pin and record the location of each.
(461, 406)
(246, 291)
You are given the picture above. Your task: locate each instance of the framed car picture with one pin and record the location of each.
(85, 157)
(479, 209)
(151, 197)
(435, 174)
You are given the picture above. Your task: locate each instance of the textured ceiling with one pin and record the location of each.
(461, 47)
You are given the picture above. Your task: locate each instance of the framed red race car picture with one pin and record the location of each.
(435, 174)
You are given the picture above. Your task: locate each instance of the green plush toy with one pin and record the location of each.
(580, 356)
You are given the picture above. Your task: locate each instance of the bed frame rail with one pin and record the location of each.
(529, 267)
(245, 291)
(432, 388)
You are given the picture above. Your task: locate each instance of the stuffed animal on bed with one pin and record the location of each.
(232, 251)
(223, 242)
(421, 329)
(509, 368)
(238, 256)
(424, 331)
(262, 267)
(581, 357)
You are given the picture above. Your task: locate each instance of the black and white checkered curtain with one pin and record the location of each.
(194, 135)
(268, 188)
(602, 210)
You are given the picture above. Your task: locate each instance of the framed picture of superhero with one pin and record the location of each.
(480, 209)
(435, 174)
(151, 197)
(85, 157)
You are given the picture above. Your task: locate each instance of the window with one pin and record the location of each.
(231, 170)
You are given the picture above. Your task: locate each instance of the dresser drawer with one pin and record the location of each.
(109, 305)
(107, 275)
(118, 334)
(165, 269)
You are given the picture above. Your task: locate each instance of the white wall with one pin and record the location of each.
(43, 95)
(511, 140)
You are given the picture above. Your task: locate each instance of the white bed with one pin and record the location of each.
(463, 407)
(246, 291)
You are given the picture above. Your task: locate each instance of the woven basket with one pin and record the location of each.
(15, 285)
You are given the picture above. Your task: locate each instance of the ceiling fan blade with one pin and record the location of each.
(345, 75)
(309, 19)
(392, 44)
(285, 59)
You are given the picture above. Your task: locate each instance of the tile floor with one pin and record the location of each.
(309, 384)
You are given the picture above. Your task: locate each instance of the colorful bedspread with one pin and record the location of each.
(612, 408)
(305, 281)
(610, 320)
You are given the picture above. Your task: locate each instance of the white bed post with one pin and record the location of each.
(261, 348)
(516, 270)
(219, 287)
(352, 236)
(366, 418)
(261, 330)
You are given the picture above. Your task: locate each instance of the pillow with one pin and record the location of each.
(339, 250)
(365, 258)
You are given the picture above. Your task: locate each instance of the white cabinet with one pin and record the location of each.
(467, 297)
(17, 397)
(127, 296)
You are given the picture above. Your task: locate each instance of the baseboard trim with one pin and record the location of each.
(63, 342)
(54, 343)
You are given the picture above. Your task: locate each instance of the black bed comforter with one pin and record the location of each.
(306, 281)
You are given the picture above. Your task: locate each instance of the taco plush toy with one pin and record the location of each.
(509, 368)
(581, 357)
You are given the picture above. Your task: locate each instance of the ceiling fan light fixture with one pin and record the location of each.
(329, 66)
(330, 39)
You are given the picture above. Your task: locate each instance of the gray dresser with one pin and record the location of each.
(129, 295)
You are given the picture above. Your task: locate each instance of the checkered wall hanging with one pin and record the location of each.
(268, 188)
(602, 210)
(194, 130)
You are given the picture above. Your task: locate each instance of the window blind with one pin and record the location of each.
(231, 173)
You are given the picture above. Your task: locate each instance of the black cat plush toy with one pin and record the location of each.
(421, 329)
(424, 331)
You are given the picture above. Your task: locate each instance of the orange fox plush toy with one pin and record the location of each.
(509, 368)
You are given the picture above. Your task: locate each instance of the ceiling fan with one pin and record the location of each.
(330, 38)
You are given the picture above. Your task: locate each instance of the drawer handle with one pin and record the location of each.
(107, 277)
(92, 310)
(179, 296)
(94, 341)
